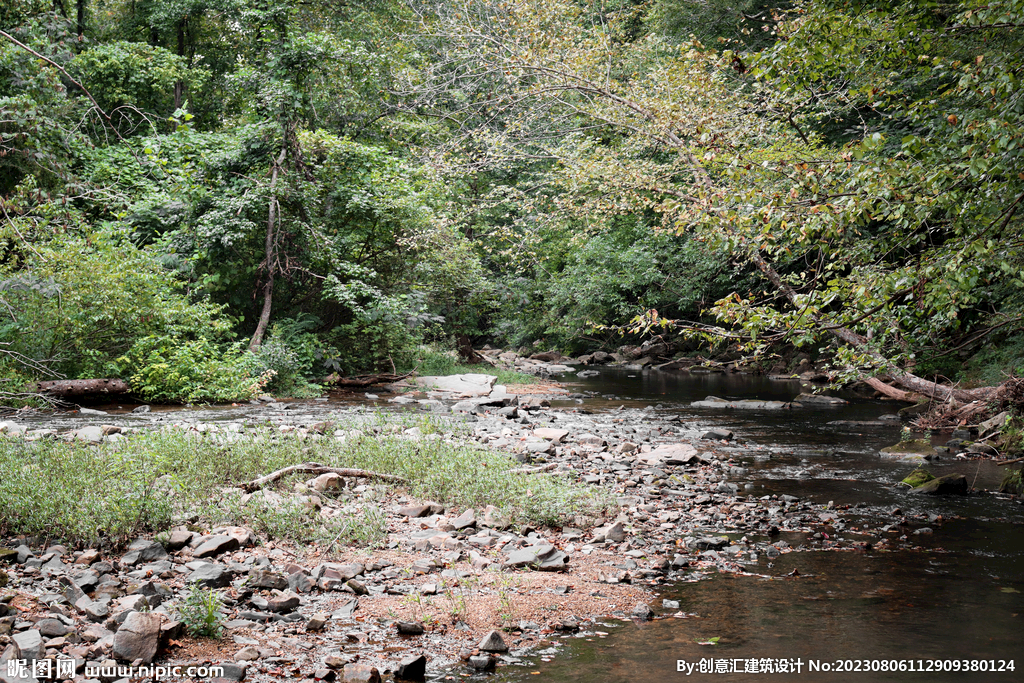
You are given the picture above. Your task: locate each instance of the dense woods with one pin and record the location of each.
(211, 198)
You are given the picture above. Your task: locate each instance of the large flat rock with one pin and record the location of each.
(462, 386)
(721, 404)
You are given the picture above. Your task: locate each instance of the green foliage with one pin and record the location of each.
(176, 370)
(996, 361)
(79, 493)
(75, 305)
(134, 83)
(149, 482)
(200, 610)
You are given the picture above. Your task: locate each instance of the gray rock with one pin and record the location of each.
(210, 575)
(96, 610)
(482, 662)
(414, 511)
(28, 644)
(465, 520)
(259, 578)
(285, 602)
(179, 539)
(819, 400)
(138, 637)
(317, 622)
(493, 642)
(346, 610)
(141, 409)
(144, 550)
(90, 434)
(717, 435)
(642, 611)
(670, 604)
(542, 556)
(51, 628)
(615, 533)
(247, 654)
(299, 583)
(215, 545)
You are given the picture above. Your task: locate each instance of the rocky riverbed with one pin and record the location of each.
(448, 588)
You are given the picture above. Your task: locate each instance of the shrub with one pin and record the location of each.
(200, 612)
(190, 371)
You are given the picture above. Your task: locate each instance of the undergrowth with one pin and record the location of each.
(148, 482)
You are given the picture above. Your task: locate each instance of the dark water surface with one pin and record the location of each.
(956, 593)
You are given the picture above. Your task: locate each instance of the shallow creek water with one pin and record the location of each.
(956, 593)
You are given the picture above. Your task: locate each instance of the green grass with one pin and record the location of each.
(146, 483)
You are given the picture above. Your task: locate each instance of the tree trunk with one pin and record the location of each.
(179, 86)
(80, 7)
(905, 379)
(68, 388)
(273, 222)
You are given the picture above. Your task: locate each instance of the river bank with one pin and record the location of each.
(686, 504)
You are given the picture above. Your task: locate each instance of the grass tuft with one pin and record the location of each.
(149, 482)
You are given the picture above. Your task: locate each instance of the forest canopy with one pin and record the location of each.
(210, 198)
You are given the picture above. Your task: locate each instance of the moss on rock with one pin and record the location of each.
(918, 477)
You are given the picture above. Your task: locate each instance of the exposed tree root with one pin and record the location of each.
(317, 468)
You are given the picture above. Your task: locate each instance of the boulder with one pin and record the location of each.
(643, 612)
(412, 668)
(144, 550)
(260, 578)
(541, 556)
(212, 546)
(951, 484)
(819, 400)
(210, 575)
(90, 434)
(918, 477)
(138, 637)
(492, 642)
(467, 386)
(28, 644)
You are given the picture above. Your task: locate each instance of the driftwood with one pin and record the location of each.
(68, 388)
(362, 381)
(534, 470)
(1009, 462)
(317, 468)
(892, 392)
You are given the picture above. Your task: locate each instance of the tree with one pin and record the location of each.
(880, 246)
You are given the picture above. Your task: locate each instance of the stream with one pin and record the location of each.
(950, 589)
(956, 594)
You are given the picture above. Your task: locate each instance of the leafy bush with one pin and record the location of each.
(200, 612)
(173, 370)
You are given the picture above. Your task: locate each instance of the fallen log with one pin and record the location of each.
(68, 388)
(1009, 462)
(317, 468)
(892, 392)
(363, 381)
